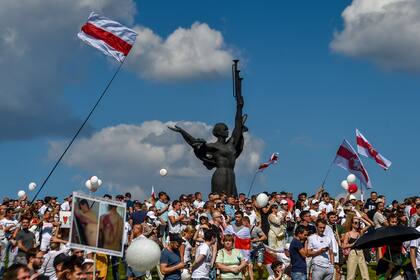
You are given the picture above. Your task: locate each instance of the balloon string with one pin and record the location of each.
(78, 131)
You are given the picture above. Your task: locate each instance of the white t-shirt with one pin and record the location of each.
(65, 206)
(198, 204)
(7, 223)
(46, 235)
(174, 228)
(187, 251)
(252, 217)
(416, 244)
(314, 213)
(316, 242)
(203, 270)
(328, 207)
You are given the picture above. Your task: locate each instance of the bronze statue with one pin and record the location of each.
(223, 153)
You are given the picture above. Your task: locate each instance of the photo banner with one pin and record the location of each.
(97, 224)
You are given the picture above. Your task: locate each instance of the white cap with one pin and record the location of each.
(283, 201)
(314, 201)
(351, 197)
(151, 215)
(86, 261)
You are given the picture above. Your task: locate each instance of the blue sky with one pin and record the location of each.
(305, 90)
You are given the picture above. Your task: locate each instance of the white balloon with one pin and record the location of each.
(262, 200)
(163, 172)
(345, 184)
(88, 185)
(32, 186)
(99, 182)
(143, 254)
(94, 181)
(351, 178)
(21, 193)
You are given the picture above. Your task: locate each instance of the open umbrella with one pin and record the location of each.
(386, 235)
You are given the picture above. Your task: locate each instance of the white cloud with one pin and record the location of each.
(129, 157)
(195, 52)
(386, 32)
(38, 47)
(40, 55)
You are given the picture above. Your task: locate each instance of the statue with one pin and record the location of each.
(223, 153)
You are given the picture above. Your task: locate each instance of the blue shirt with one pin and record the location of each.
(159, 206)
(296, 260)
(171, 259)
(230, 211)
(138, 217)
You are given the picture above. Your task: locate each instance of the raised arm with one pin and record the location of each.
(191, 140)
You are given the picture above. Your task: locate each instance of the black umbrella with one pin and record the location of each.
(386, 235)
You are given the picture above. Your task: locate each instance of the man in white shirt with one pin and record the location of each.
(326, 203)
(314, 210)
(175, 217)
(198, 202)
(66, 205)
(415, 254)
(205, 256)
(320, 249)
(250, 213)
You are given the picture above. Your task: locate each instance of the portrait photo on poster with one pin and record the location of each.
(97, 224)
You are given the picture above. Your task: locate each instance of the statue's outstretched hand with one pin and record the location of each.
(175, 128)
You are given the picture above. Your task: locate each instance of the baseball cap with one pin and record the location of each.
(283, 202)
(314, 201)
(351, 197)
(151, 215)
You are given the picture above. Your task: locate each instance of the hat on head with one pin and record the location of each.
(151, 215)
(283, 202)
(88, 261)
(314, 201)
(352, 197)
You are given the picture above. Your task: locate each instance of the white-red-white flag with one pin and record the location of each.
(108, 36)
(348, 159)
(153, 194)
(273, 159)
(366, 149)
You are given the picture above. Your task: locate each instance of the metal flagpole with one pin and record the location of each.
(78, 131)
(328, 172)
(252, 183)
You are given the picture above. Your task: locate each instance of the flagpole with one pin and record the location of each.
(78, 131)
(328, 172)
(252, 183)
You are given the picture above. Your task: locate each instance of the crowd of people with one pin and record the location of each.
(220, 237)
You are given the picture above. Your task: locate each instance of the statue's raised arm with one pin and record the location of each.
(237, 137)
(223, 153)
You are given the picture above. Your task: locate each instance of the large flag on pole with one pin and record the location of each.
(273, 159)
(108, 36)
(366, 149)
(348, 159)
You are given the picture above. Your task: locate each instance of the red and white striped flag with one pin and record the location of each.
(108, 36)
(273, 159)
(242, 239)
(366, 149)
(348, 159)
